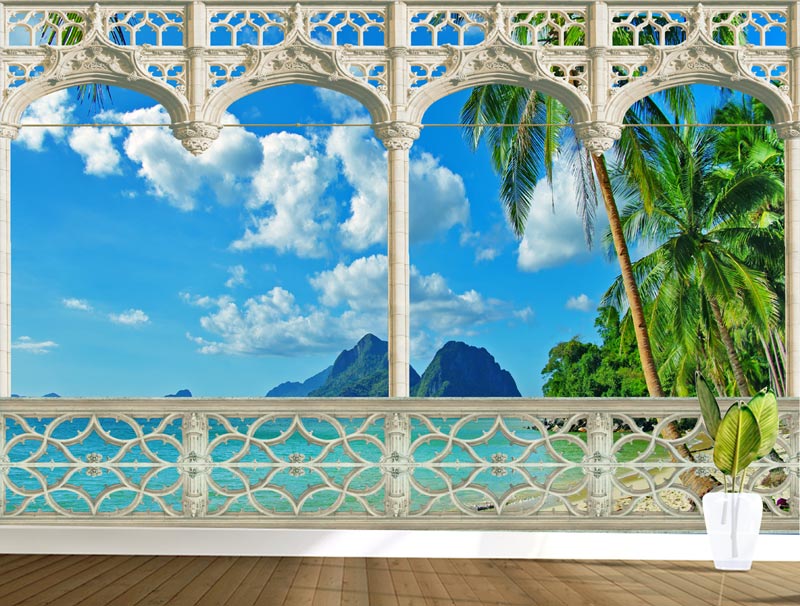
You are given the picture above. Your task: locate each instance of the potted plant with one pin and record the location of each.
(746, 433)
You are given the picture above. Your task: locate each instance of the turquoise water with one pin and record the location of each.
(279, 471)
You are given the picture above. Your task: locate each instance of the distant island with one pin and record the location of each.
(457, 370)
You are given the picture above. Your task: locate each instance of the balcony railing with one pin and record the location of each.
(374, 463)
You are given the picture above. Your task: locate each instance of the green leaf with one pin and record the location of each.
(738, 440)
(708, 405)
(764, 407)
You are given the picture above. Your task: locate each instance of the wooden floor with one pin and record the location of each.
(230, 581)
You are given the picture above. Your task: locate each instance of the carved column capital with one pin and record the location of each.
(196, 136)
(788, 130)
(9, 131)
(598, 137)
(397, 135)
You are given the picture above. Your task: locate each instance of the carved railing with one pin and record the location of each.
(376, 463)
(198, 58)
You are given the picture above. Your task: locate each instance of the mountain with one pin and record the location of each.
(361, 372)
(461, 370)
(293, 389)
(52, 394)
(182, 393)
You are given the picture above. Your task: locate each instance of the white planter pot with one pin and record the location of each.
(733, 522)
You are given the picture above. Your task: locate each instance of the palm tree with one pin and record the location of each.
(522, 155)
(703, 278)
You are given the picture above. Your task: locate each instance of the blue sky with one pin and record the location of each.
(139, 270)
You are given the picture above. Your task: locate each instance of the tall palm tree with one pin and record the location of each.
(703, 278)
(521, 156)
(525, 154)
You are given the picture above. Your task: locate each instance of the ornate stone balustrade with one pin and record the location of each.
(374, 463)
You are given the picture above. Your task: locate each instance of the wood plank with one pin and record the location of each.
(506, 591)
(249, 589)
(144, 584)
(203, 582)
(32, 571)
(274, 590)
(329, 584)
(629, 579)
(124, 570)
(174, 584)
(379, 580)
(54, 593)
(541, 586)
(432, 587)
(355, 586)
(406, 588)
(304, 586)
(227, 584)
(47, 577)
(705, 582)
(590, 587)
(457, 588)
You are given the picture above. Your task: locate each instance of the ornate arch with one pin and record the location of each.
(700, 60)
(95, 60)
(298, 61)
(501, 61)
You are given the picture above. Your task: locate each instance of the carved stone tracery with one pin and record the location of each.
(397, 135)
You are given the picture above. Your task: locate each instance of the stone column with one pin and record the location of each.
(194, 465)
(599, 463)
(196, 135)
(790, 133)
(396, 465)
(398, 137)
(7, 134)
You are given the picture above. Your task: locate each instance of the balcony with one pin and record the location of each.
(479, 464)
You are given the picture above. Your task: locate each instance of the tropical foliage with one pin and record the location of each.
(579, 369)
(712, 285)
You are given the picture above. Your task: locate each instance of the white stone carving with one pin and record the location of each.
(397, 135)
(598, 137)
(196, 136)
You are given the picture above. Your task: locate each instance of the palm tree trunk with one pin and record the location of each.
(631, 289)
(736, 366)
(699, 484)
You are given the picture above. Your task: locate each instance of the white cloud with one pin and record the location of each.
(292, 180)
(35, 347)
(525, 314)
(237, 273)
(438, 198)
(486, 254)
(580, 303)
(352, 301)
(96, 147)
(340, 106)
(363, 161)
(360, 285)
(79, 304)
(553, 236)
(274, 324)
(130, 317)
(176, 176)
(52, 109)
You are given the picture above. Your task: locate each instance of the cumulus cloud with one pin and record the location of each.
(237, 273)
(79, 304)
(580, 303)
(340, 106)
(352, 300)
(96, 147)
(274, 324)
(553, 235)
(35, 347)
(52, 109)
(438, 198)
(176, 176)
(130, 317)
(292, 182)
